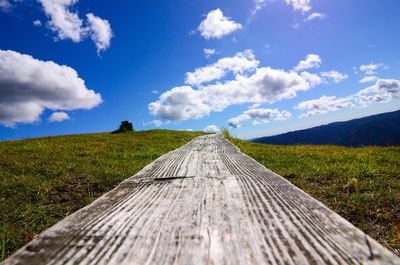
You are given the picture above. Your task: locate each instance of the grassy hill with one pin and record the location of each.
(361, 184)
(43, 180)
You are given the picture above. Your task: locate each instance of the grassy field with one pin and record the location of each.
(361, 184)
(43, 180)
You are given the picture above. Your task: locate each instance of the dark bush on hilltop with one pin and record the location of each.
(125, 126)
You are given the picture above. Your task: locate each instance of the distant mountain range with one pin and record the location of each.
(382, 130)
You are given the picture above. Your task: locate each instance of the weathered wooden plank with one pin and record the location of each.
(205, 203)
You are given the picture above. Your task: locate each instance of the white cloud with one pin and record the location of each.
(216, 25)
(297, 5)
(323, 105)
(209, 52)
(179, 103)
(5, 5)
(334, 76)
(265, 85)
(368, 79)
(63, 21)
(204, 75)
(259, 116)
(67, 24)
(310, 61)
(28, 86)
(300, 5)
(37, 23)
(384, 90)
(283, 115)
(259, 4)
(315, 15)
(212, 129)
(155, 92)
(59, 116)
(250, 85)
(255, 106)
(238, 64)
(312, 79)
(100, 32)
(371, 69)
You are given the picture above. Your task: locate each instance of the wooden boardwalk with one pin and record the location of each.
(205, 203)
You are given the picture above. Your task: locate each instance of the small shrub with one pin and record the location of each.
(125, 126)
(226, 133)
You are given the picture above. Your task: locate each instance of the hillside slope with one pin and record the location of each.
(381, 130)
(361, 184)
(43, 180)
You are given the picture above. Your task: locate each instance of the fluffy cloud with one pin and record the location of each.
(209, 52)
(212, 129)
(310, 61)
(216, 25)
(238, 64)
(315, 15)
(323, 105)
(265, 85)
(334, 76)
(179, 103)
(371, 69)
(67, 24)
(59, 116)
(100, 32)
(368, 79)
(312, 79)
(204, 75)
(250, 85)
(300, 5)
(28, 86)
(259, 116)
(323, 77)
(384, 90)
(37, 23)
(63, 21)
(314, 61)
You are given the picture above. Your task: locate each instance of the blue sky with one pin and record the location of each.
(257, 67)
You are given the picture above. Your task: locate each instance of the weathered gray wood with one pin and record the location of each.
(205, 203)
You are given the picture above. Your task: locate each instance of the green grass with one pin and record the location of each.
(361, 184)
(43, 180)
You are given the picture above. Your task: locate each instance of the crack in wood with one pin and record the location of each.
(172, 178)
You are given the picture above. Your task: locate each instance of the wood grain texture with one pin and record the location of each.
(204, 203)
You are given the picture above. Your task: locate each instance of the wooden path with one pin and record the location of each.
(205, 203)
